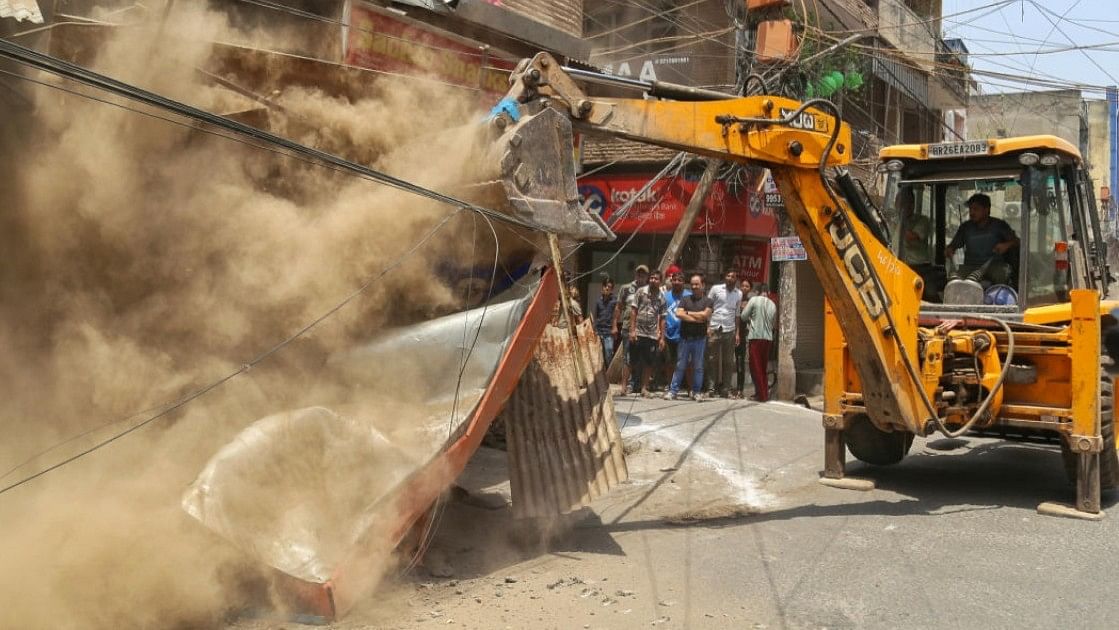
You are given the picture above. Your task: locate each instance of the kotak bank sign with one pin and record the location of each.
(658, 210)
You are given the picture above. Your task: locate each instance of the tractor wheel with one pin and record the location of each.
(871, 445)
(1109, 457)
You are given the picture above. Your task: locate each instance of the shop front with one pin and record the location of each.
(732, 231)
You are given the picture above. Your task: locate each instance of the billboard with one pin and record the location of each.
(381, 41)
(659, 210)
(786, 248)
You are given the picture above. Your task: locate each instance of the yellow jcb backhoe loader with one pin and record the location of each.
(911, 349)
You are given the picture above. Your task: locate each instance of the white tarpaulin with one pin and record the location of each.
(297, 489)
(21, 10)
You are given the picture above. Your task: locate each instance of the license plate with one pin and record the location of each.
(958, 149)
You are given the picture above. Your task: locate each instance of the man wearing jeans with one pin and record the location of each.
(672, 295)
(603, 314)
(722, 333)
(693, 310)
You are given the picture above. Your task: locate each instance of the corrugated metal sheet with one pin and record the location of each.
(564, 446)
(601, 150)
(21, 10)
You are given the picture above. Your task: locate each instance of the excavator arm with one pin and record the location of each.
(875, 296)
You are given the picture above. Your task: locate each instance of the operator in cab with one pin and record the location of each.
(985, 240)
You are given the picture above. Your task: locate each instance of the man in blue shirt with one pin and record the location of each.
(672, 294)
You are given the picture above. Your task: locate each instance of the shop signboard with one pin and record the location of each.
(750, 257)
(659, 209)
(773, 197)
(787, 248)
(381, 41)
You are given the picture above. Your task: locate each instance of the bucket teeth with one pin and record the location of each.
(538, 176)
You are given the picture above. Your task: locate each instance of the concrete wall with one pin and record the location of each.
(625, 42)
(1099, 152)
(1055, 112)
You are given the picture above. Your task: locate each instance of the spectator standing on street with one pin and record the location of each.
(740, 346)
(623, 321)
(672, 295)
(603, 314)
(759, 317)
(693, 310)
(722, 333)
(646, 337)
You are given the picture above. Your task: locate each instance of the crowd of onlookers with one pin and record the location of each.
(674, 331)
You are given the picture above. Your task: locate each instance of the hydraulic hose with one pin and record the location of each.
(877, 282)
(994, 389)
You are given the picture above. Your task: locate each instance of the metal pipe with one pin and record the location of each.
(606, 79)
(653, 88)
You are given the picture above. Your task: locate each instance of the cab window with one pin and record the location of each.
(1047, 225)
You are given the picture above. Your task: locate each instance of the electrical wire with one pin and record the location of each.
(245, 367)
(81, 75)
(428, 533)
(677, 165)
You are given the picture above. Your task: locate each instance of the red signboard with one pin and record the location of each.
(751, 260)
(379, 41)
(658, 211)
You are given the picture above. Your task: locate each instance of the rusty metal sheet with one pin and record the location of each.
(565, 449)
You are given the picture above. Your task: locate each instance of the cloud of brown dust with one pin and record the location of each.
(145, 259)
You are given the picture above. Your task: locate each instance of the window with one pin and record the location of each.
(1046, 225)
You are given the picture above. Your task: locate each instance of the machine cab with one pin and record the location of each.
(1040, 238)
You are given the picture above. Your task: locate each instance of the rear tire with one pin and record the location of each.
(1111, 343)
(869, 444)
(1109, 457)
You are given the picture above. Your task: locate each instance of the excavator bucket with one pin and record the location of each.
(537, 176)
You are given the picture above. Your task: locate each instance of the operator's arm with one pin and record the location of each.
(1009, 240)
(957, 241)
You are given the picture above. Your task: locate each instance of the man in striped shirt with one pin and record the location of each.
(759, 317)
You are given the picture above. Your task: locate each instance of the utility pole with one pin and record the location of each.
(687, 220)
(786, 319)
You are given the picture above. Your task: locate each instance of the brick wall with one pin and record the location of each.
(564, 15)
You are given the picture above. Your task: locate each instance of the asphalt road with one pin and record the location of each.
(723, 525)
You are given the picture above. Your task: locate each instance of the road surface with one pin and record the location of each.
(723, 525)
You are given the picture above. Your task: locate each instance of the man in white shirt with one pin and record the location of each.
(722, 333)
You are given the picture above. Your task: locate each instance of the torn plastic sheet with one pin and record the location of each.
(298, 489)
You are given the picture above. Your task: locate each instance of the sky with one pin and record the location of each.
(1006, 36)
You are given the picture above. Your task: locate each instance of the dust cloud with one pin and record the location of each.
(144, 259)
